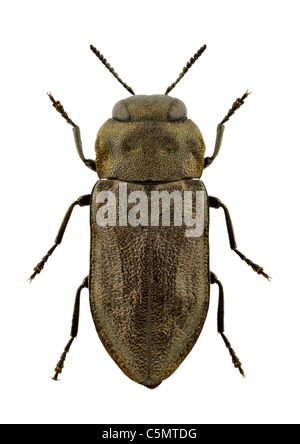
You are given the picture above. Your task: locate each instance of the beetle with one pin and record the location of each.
(149, 285)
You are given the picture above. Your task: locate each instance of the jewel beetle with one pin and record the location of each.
(149, 277)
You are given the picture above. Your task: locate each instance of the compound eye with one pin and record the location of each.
(120, 112)
(177, 110)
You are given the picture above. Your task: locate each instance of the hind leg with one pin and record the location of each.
(235, 360)
(74, 329)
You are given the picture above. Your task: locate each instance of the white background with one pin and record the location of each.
(250, 45)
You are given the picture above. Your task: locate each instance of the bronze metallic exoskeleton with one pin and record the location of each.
(149, 285)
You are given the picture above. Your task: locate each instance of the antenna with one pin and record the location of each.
(186, 68)
(110, 68)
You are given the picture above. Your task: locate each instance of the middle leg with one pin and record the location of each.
(214, 202)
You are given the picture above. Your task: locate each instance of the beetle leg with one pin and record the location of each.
(235, 360)
(76, 131)
(214, 202)
(81, 201)
(218, 143)
(220, 128)
(74, 329)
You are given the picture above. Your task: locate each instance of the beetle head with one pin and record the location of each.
(149, 138)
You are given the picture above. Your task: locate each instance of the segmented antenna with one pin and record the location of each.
(186, 68)
(110, 68)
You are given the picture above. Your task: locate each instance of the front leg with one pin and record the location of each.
(76, 131)
(214, 202)
(81, 201)
(220, 128)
